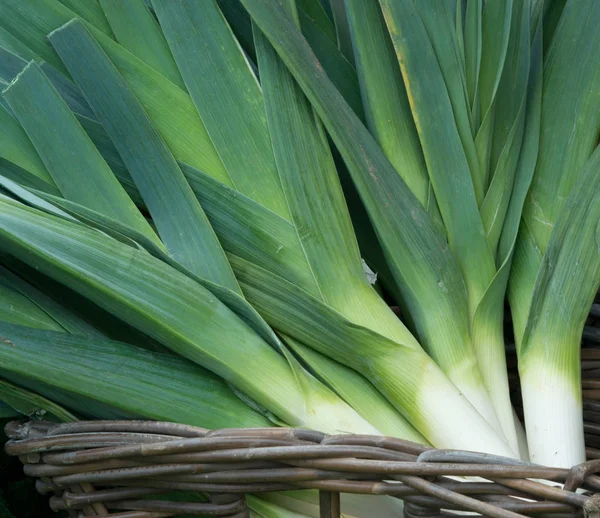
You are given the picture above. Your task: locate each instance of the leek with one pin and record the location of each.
(171, 176)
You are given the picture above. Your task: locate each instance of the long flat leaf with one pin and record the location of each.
(170, 306)
(16, 308)
(550, 348)
(240, 24)
(180, 220)
(359, 392)
(444, 154)
(105, 323)
(136, 382)
(488, 321)
(395, 369)
(387, 108)
(420, 260)
(341, 71)
(496, 22)
(316, 12)
(568, 135)
(472, 44)
(226, 94)
(169, 107)
(313, 390)
(316, 200)
(91, 11)
(16, 148)
(138, 31)
(69, 155)
(16, 46)
(26, 178)
(342, 28)
(509, 123)
(438, 19)
(249, 230)
(30, 22)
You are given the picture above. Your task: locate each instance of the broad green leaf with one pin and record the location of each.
(387, 109)
(10, 64)
(91, 11)
(30, 21)
(444, 154)
(169, 107)
(180, 220)
(496, 22)
(31, 404)
(125, 378)
(571, 125)
(75, 164)
(553, 10)
(423, 267)
(120, 231)
(116, 229)
(83, 309)
(488, 321)
(438, 19)
(372, 404)
(315, 199)
(171, 307)
(107, 149)
(226, 94)
(569, 129)
(529, 150)
(68, 91)
(317, 31)
(316, 202)
(138, 31)
(249, 230)
(397, 370)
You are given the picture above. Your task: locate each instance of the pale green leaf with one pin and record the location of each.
(130, 381)
(138, 31)
(180, 220)
(226, 94)
(169, 107)
(75, 164)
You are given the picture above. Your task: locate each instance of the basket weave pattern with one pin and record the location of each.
(113, 468)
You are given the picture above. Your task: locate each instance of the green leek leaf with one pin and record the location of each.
(67, 151)
(136, 382)
(181, 222)
(138, 31)
(226, 94)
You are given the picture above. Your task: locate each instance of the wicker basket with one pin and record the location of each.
(97, 467)
(120, 468)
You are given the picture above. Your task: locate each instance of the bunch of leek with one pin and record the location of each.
(201, 179)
